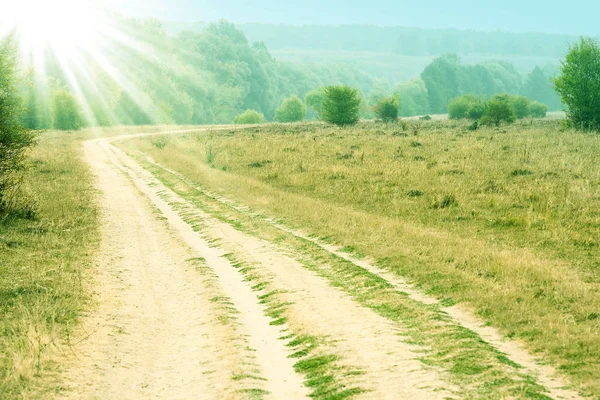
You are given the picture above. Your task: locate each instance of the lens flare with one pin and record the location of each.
(63, 25)
(75, 41)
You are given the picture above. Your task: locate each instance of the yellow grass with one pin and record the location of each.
(507, 221)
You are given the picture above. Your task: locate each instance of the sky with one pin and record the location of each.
(576, 17)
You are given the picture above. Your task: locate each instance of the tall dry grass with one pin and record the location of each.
(505, 220)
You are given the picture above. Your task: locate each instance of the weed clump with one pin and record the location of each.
(260, 164)
(447, 201)
(415, 193)
(521, 172)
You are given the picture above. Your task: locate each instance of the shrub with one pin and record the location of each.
(314, 101)
(520, 106)
(579, 84)
(341, 105)
(249, 117)
(538, 110)
(65, 111)
(291, 110)
(14, 138)
(387, 108)
(499, 109)
(477, 110)
(467, 106)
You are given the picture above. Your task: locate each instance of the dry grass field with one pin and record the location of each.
(501, 220)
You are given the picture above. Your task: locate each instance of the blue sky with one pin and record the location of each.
(579, 17)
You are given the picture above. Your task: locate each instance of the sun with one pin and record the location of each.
(65, 26)
(78, 46)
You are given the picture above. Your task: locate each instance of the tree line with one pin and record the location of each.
(400, 40)
(215, 75)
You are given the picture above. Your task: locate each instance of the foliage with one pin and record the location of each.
(579, 84)
(537, 109)
(387, 108)
(15, 139)
(442, 82)
(538, 87)
(467, 106)
(291, 110)
(474, 108)
(446, 79)
(314, 101)
(67, 115)
(499, 109)
(520, 106)
(414, 98)
(201, 77)
(249, 117)
(341, 106)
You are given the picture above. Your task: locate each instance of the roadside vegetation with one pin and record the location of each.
(502, 219)
(15, 139)
(44, 265)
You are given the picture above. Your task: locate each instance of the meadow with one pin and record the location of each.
(501, 220)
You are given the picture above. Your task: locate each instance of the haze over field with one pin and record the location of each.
(316, 200)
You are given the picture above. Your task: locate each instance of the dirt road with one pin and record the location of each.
(179, 314)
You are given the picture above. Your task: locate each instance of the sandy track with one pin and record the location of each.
(363, 339)
(155, 332)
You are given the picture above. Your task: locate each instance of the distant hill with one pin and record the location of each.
(398, 40)
(397, 53)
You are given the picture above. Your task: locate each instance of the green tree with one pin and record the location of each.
(314, 101)
(537, 109)
(66, 111)
(291, 110)
(414, 98)
(249, 117)
(499, 109)
(342, 105)
(520, 106)
(442, 81)
(387, 108)
(538, 87)
(15, 139)
(467, 106)
(579, 84)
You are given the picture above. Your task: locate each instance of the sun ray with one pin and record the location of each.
(64, 41)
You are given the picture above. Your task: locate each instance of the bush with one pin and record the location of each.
(387, 108)
(467, 106)
(499, 109)
(249, 117)
(538, 110)
(520, 106)
(14, 138)
(66, 111)
(579, 84)
(341, 105)
(291, 110)
(314, 101)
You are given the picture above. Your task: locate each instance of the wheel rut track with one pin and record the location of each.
(155, 332)
(172, 386)
(547, 376)
(362, 339)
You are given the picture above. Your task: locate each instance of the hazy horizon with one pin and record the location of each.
(509, 16)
